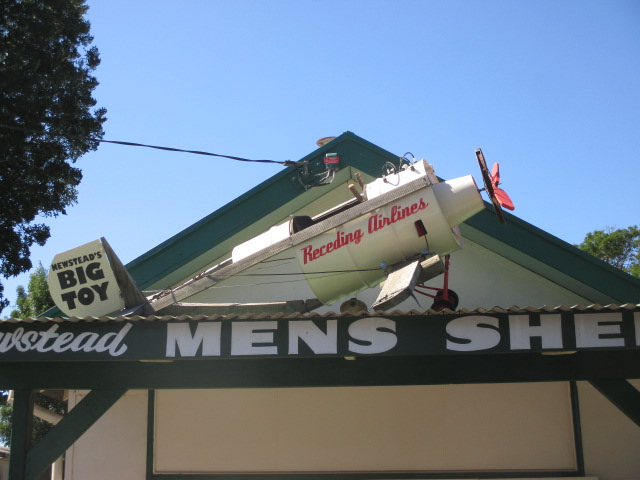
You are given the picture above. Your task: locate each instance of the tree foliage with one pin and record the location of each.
(31, 303)
(618, 247)
(37, 299)
(40, 427)
(47, 119)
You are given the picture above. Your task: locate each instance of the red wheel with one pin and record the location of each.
(440, 302)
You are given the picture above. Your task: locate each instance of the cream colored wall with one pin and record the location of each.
(115, 446)
(472, 427)
(504, 427)
(611, 440)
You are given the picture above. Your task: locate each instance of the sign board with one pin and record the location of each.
(320, 337)
(83, 283)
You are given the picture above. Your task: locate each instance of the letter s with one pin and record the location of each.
(473, 333)
(375, 335)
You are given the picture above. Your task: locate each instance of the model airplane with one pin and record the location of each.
(395, 230)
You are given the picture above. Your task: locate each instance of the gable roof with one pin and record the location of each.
(253, 212)
(193, 249)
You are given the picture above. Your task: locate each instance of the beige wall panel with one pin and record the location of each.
(610, 439)
(459, 427)
(115, 446)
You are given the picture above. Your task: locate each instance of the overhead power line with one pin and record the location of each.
(286, 163)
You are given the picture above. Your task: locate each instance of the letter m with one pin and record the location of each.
(179, 335)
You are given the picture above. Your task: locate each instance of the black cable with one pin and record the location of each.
(286, 163)
(195, 152)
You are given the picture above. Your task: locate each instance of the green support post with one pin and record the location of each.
(622, 394)
(21, 433)
(69, 429)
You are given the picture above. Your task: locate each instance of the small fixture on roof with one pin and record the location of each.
(353, 305)
(324, 140)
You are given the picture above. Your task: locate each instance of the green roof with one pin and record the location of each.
(213, 237)
(252, 212)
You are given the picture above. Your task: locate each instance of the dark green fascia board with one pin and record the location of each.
(323, 371)
(248, 207)
(530, 241)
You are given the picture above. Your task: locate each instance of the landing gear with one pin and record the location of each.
(448, 299)
(444, 298)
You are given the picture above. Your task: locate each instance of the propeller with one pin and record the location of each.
(499, 198)
(501, 195)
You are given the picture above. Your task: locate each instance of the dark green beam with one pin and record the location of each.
(323, 372)
(21, 432)
(622, 394)
(69, 429)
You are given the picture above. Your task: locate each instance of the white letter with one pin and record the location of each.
(589, 329)
(314, 337)
(11, 339)
(44, 337)
(117, 338)
(521, 331)
(476, 333)
(88, 346)
(245, 334)
(26, 340)
(60, 344)
(374, 333)
(207, 334)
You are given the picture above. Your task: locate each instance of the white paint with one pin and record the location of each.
(207, 335)
(590, 330)
(376, 335)
(50, 341)
(473, 333)
(521, 332)
(245, 336)
(313, 336)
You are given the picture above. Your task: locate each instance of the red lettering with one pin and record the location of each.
(309, 254)
(378, 222)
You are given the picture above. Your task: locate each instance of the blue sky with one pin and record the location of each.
(549, 89)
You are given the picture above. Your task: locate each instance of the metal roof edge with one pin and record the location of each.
(496, 310)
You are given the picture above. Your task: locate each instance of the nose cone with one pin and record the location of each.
(459, 199)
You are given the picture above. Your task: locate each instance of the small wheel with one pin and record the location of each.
(440, 303)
